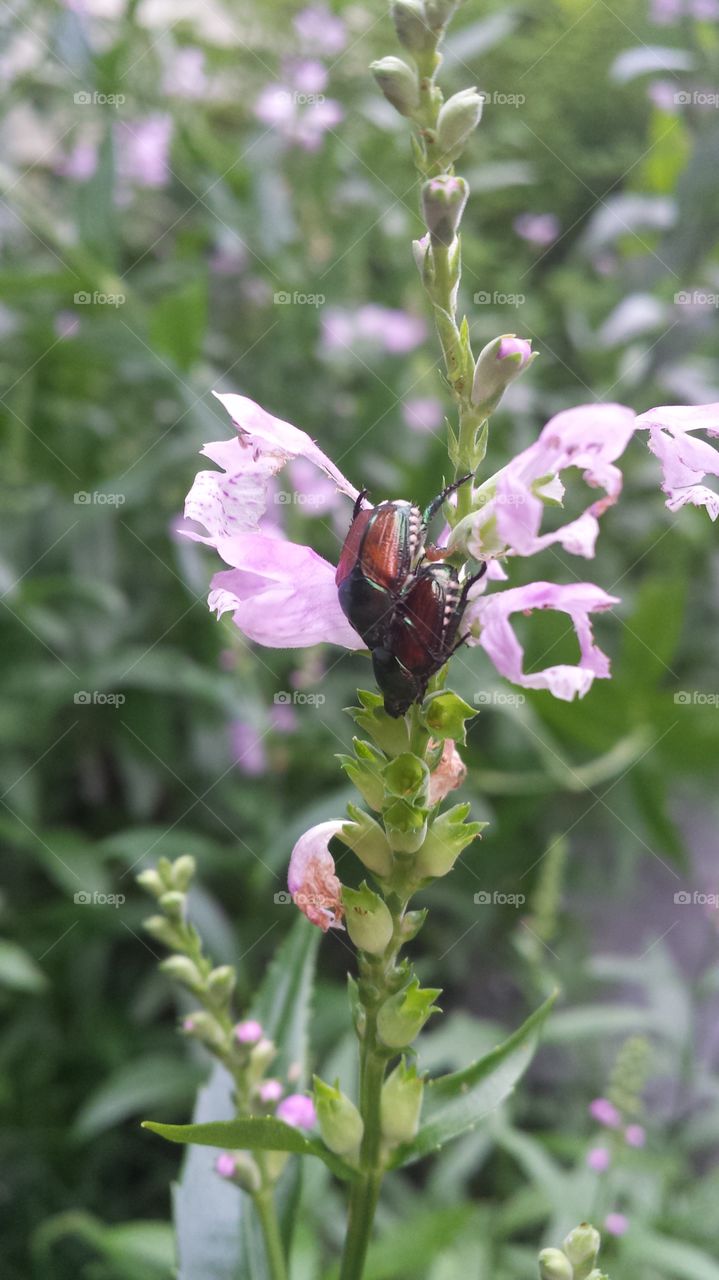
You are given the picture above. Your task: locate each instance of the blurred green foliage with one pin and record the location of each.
(103, 411)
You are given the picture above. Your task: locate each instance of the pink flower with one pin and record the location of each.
(499, 641)
(664, 93)
(311, 877)
(281, 594)
(374, 326)
(537, 228)
(617, 1224)
(248, 748)
(80, 164)
(270, 1091)
(186, 77)
(248, 1032)
(297, 1110)
(635, 1135)
(320, 30)
(423, 414)
(297, 108)
(685, 461)
(511, 345)
(225, 1165)
(449, 773)
(605, 1113)
(66, 325)
(143, 150)
(599, 1159)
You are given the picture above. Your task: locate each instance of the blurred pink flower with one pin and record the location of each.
(66, 325)
(283, 718)
(225, 1165)
(386, 328)
(599, 1159)
(311, 877)
(297, 108)
(537, 228)
(635, 1135)
(270, 1091)
(423, 413)
(143, 148)
(248, 1032)
(663, 93)
(80, 163)
(617, 1224)
(297, 1110)
(685, 461)
(248, 748)
(605, 1113)
(320, 30)
(185, 76)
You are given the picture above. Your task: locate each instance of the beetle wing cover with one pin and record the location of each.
(352, 544)
(384, 554)
(425, 619)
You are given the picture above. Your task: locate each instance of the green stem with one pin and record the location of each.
(366, 1189)
(266, 1212)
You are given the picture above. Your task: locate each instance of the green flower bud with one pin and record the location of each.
(340, 1122)
(203, 1027)
(391, 736)
(581, 1247)
(401, 1104)
(240, 1168)
(183, 870)
(498, 364)
(406, 826)
(445, 714)
(164, 869)
(221, 982)
(402, 1017)
(443, 201)
(181, 969)
(364, 772)
(368, 919)
(457, 119)
(261, 1055)
(439, 12)
(368, 840)
(165, 931)
(412, 923)
(407, 778)
(410, 23)
(554, 1265)
(173, 903)
(398, 83)
(151, 881)
(447, 837)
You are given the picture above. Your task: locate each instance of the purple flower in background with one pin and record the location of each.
(635, 1135)
(143, 150)
(248, 1032)
(387, 328)
(704, 10)
(663, 93)
(270, 1091)
(617, 1224)
(537, 228)
(80, 164)
(185, 77)
(306, 75)
(283, 718)
(66, 325)
(297, 108)
(605, 1113)
(297, 1110)
(248, 749)
(599, 1159)
(423, 413)
(320, 30)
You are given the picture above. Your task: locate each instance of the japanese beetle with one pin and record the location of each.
(422, 635)
(382, 549)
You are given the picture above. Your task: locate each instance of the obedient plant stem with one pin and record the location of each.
(264, 1203)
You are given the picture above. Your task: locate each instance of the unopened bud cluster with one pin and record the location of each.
(577, 1258)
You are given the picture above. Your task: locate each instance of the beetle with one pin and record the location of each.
(383, 547)
(422, 634)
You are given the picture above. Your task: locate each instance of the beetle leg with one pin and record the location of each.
(358, 503)
(436, 503)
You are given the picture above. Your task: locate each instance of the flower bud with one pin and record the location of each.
(407, 778)
(183, 869)
(298, 1111)
(363, 770)
(410, 23)
(398, 83)
(443, 201)
(261, 1055)
(173, 903)
(240, 1168)
(203, 1027)
(447, 837)
(221, 982)
(340, 1122)
(498, 364)
(248, 1032)
(411, 924)
(406, 826)
(368, 919)
(403, 1015)
(401, 1104)
(581, 1247)
(164, 931)
(151, 881)
(457, 119)
(182, 969)
(439, 12)
(445, 714)
(554, 1265)
(368, 840)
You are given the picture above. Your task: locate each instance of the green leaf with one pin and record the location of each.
(18, 970)
(178, 322)
(675, 1257)
(455, 1103)
(251, 1134)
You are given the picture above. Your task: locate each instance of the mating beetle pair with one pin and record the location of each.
(407, 612)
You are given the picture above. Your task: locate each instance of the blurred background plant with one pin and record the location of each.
(200, 196)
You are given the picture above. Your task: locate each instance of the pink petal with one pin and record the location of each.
(282, 595)
(499, 641)
(311, 877)
(685, 461)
